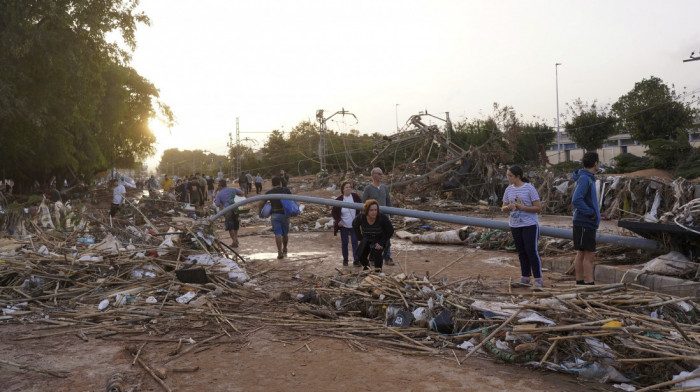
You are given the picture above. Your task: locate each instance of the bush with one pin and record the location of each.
(627, 163)
(690, 167)
(667, 154)
(567, 166)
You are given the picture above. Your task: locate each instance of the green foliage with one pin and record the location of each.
(475, 133)
(689, 168)
(666, 154)
(566, 166)
(628, 163)
(68, 101)
(531, 144)
(652, 110)
(590, 126)
(186, 162)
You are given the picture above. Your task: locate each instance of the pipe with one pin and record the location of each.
(632, 242)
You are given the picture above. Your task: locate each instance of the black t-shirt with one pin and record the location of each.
(276, 204)
(210, 183)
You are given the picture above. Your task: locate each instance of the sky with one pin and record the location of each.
(273, 64)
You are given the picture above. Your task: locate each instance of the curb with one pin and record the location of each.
(624, 274)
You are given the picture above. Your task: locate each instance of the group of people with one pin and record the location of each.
(246, 181)
(369, 232)
(522, 203)
(195, 189)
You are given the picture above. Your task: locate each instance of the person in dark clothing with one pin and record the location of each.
(193, 188)
(280, 222)
(181, 191)
(586, 218)
(52, 194)
(374, 230)
(285, 178)
(243, 183)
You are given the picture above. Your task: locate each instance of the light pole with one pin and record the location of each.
(397, 117)
(556, 73)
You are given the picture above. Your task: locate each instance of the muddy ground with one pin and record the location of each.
(267, 356)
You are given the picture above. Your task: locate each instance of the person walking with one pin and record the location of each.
(243, 183)
(342, 221)
(522, 202)
(258, 184)
(374, 230)
(224, 198)
(379, 192)
(284, 177)
(280, 222)
(249, 177)
(586, 218)
(118, 192)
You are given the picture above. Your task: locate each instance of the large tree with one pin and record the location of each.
(68, 100)
(652, 110)
(590, 126)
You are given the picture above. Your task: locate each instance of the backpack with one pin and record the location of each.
(291, 208)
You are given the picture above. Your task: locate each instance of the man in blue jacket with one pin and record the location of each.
(586, 218)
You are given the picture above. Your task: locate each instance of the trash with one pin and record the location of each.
(120, 299)
(192, 275)
(402, 319)
(103, 304)
(443, 323)
(88, 240)
(185, 298)
(689, 383)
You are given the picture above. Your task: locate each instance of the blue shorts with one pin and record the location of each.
(280, 224)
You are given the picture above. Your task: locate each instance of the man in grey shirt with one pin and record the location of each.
(379, 192)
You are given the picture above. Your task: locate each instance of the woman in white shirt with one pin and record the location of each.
(522, 202)
(343, 218)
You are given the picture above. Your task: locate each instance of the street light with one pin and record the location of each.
(397, 117)
(556, 73)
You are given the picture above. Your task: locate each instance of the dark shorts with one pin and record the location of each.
(114, 209)
(231, 222)
(584, 238)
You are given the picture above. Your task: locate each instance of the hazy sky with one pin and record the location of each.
(272, 64)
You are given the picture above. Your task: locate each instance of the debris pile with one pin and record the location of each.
(610, 333)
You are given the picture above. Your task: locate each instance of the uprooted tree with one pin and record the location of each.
(69, 102)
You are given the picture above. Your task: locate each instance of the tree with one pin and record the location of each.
(590, 126)
(532, 142)
(652, 110)
(68, 101)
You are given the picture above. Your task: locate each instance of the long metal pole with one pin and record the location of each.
(633, 242)
(556, 73)
(397, 117)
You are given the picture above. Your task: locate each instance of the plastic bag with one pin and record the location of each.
(291, 208)
(266, 210)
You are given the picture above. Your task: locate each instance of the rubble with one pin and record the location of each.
(607, 333)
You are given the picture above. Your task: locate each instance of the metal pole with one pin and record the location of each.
(238, 151)
(556, 72)
(397, 117)
(633, 242)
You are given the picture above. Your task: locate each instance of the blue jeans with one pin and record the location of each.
(280, 224)
(347, 233)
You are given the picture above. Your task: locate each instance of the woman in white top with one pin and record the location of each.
(342, 221)
(522, 202)
(118, 193)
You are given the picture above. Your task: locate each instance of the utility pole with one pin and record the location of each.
(556, 73)
(238, 150)
(448, 127)
(322, 133)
